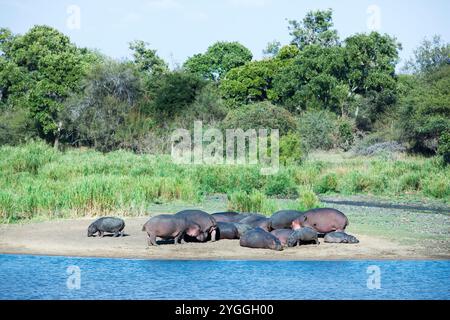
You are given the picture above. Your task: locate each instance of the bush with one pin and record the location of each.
(254, 201)
(345, 133)
(317, 129)
(307, 198)
(262, 115)
(328, 183)
(281, 184)
(292, 150)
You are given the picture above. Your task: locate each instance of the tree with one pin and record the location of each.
(146, 59)
(261, 115)
(220, 58)
(424, 112)
(174, 91)
(97, 116)
(429, 56)
(45, 69)
(316, 28)
(249, 83)
(312, 80)
(272, 48)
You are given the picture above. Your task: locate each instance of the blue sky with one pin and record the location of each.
(181, 28)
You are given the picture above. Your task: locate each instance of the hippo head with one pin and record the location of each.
(194, 231)
(203, 236)
(293, 238)
(276, 245)
(92, 230)
(295, 225)
(352, 239)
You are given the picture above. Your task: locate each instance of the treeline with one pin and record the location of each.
(320, 91)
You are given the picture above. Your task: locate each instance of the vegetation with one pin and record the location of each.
(35, 179)
(322, 93)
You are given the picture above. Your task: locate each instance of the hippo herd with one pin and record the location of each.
(285, 228)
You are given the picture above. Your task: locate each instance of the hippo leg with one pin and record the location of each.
(317, 241)
(151, 240)
(213, 235)
(116, 234)
(178, 237)
(100, 234)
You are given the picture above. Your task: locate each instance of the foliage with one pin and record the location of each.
(315, 29)
(249, 83)
(46, 68)
(317, 129)
(292, 150)
(262, 115)
(96, 116)
(220, 58)
(174, 92)
(425, 111)
(429, 56)
(254, 201)
(146, 59)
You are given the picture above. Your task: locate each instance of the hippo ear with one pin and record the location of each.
(305, 218)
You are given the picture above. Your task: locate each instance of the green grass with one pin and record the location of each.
(35, 181)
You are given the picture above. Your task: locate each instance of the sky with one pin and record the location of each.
(179, 29)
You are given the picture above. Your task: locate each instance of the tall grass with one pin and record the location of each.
(36, 180)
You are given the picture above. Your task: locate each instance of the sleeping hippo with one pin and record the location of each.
(226, 230)
(242, 228)
(227, 216)
(303, 235)
(257, 220)
(206, 222)
(167, 226)
(106, 225)
(323, 220)
(282, 235)
(340, 237)
(260, 239)
(283, 219)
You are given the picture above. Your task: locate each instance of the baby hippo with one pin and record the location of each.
(340, 237)
(167, 226)
(106, 225)
(283, 235)
(303, 235)
(260, 239)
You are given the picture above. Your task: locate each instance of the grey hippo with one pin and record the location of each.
(260, 239)
(106, 225)
(340, 237)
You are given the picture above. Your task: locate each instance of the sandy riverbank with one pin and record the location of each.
(68, 238)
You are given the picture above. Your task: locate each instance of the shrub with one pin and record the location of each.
(307, 198)
(317, 129)
(328, 183)
(444, 147)
(262, 115)
(292, 150)
(254, 201)
(281, 184)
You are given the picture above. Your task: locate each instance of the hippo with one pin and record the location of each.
(283, 219)
(282, 235)
(323, 220)
(227, 216)
(206, 222)
(340, 237)
(242, 228)
(106, 224)
(257, 220)
(167, 226)
(302, 236)
(226, 230)
(260, 239)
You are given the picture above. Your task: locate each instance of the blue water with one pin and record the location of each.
(42, 277)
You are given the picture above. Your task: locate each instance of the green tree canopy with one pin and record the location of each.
(316, 28)
(146, 59)
(429, 56)
(41, 69)
(220, 58)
